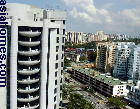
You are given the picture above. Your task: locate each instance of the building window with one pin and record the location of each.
(57, 48)
(60, 95)
(62, 47)
(55, 106)
(57, 30)
(62, 64)
(61, 87)
(56, 65)
(55, 74)
(55, 90)
(64, 22)
(35, 17)
(60, 103)
(62, 56)
(63, 31)
(54, 98)
(63, 39)
(52, 20)
(55, 82)
(57, 57)
(61, 80)
(41, 19)
(61, 72)
(57, 40)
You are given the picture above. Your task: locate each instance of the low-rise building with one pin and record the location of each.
(74, 54)
(104, 83)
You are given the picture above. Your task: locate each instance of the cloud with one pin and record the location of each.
(86, 10)
(108, 5)
(132, 15)
(134, 1)
(123, 19)
(83, 15)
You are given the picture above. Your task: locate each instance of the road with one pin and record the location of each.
(87, 95)
(92, 99)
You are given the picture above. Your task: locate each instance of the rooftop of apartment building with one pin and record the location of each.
(24, 11)
(86, 71)
(83, 65)
(106, 78)
(109, 79)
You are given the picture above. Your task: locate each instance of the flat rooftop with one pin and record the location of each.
(106, 78)
(86, 71)
(109, 79)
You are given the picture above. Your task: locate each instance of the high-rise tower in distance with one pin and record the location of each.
(35, 55)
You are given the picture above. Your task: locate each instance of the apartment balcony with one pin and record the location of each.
(28, 81)
(29, 44)
(29, 53)
(28, 90)
(29, 107)
(29, 33)
(29, 99)
(29, 62)
(28, 71)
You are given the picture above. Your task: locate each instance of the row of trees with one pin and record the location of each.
(117, 102)
(67, 62)
(92, 45)
(89, 45)
(76, 101)
(135, 40)
(114, 102)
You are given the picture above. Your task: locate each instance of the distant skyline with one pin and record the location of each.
(111, 16)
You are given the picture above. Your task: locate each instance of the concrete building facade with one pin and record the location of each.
(103, 83)
(75, 37)
(105, 59)
(35, 57)
(134, 94)
(99, 36)
(134, 65)
(122, 55)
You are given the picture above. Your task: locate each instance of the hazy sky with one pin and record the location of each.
(111, 16)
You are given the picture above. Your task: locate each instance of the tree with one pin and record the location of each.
(92, 56)
(117, 102)
(82, 58)
(77, 101)
(89, 106)
(66, 92)
(88, 45)
(67, 62)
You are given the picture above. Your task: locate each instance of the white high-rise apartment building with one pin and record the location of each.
(34, 59)
(100, 36)
(123, 51)
(134, 64)
(75, 37)
(110, 60)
